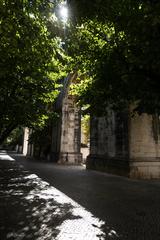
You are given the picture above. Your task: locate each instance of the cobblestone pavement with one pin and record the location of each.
(113, 207)
(30, 208)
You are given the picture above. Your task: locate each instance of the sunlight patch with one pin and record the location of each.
(83, 226)
(4, 156)
(49, 213)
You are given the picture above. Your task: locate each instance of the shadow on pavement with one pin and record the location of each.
(25, 213)
(32, 209)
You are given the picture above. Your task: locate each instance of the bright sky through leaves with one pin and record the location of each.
(63, 12)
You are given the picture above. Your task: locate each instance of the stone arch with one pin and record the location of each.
(66, 134)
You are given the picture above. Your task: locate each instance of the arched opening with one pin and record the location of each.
(85, 136)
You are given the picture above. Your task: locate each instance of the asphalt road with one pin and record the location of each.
(130, 207)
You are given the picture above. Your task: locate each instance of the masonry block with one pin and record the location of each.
(126, 145)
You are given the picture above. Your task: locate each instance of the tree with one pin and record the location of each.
(41, 138)
(14, 139)
(117, 52)
(31, 62)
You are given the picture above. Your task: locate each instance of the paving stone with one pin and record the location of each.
(30, 208)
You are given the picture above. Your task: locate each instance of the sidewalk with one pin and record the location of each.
(32, 209)
(114, 207)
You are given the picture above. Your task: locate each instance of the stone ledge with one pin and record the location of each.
(145, 168)
(70, 158)
(145, 159)
(119, 166)
(140, 168)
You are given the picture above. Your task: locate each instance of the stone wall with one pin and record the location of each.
(126, 145)
(144, 145)
(25, 141)
(56, 138)
(66, 134)
(109, 143)
(64, 142)
(70, 132)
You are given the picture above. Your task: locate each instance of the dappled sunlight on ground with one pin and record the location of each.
(4, 156)
(32, 209)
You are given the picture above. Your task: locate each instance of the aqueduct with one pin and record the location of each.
(119, 143)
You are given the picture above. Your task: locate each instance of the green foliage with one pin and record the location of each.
(32, 61)
(41, 138)
(16, 137)
(85, 126)
(115, 45)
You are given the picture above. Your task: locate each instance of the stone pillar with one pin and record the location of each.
(30, 151)
(103, 136)
(56, 138)
(70, 132)
(25, 141)
(126, 145)
(109, 143)
(144, 145)
(66, 134)
(28, 148)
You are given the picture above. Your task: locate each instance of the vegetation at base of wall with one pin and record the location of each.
(115, 46)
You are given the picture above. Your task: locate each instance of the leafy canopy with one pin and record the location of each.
(115, 45)
(32, 61)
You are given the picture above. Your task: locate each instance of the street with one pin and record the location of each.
(117, 207)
